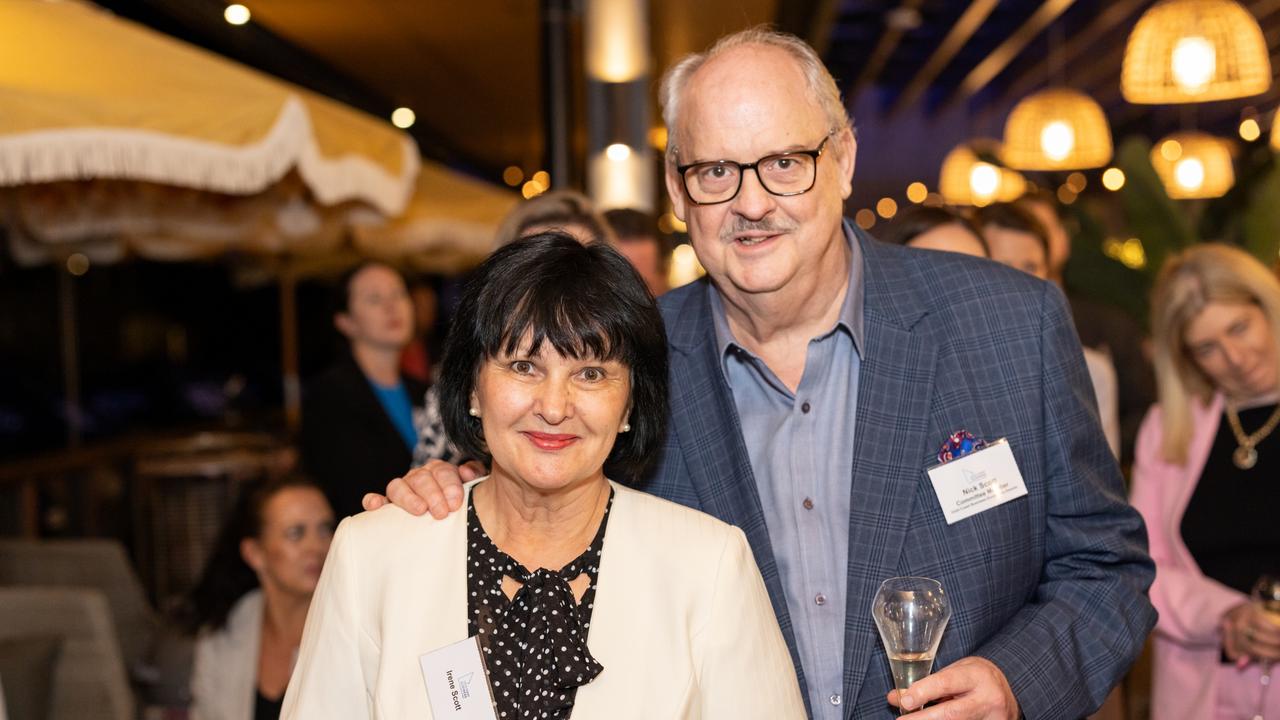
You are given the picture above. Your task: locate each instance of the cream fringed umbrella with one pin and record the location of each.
(86, 95)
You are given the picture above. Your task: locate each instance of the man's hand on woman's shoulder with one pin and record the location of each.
(435, 487)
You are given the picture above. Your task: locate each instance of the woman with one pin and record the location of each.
(566, 211)
(250, 605)
(935, 228)
(358, 425)
(1204, 479)
(587, 598)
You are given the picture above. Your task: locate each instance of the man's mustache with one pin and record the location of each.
(768, 227)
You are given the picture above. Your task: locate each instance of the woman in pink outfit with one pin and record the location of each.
(1205, 480)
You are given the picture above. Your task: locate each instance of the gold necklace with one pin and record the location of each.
(1246, 456)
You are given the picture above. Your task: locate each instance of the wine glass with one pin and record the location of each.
(911, 613)
(1266, 593)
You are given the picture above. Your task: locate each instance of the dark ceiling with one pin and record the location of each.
(942, 70)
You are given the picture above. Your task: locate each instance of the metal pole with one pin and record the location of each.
(70, 355)
(289, 349)
(555, 82)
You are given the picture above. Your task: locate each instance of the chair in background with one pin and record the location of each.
(89, 681)
(90, 563)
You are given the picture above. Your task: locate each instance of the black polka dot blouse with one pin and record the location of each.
(535, 644)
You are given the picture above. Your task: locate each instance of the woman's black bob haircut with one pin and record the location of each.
(587, 302)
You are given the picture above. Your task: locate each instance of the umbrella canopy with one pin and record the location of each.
(89, 96)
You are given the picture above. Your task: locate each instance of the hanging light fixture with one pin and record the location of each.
(1057, 129)
(967, 179)
(1189, 51)
(1193, 165)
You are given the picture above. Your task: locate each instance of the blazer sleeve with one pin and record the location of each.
(1190, 604)
(743, 667)
(328, 680)
(1086, 621)
(204, 695)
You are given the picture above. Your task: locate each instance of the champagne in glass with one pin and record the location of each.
(911, 613)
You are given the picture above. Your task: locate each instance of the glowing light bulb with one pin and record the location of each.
(403, 118)
(617, 152)
(917, 192)
(1057, 140)
(1113, 179)
(1194, 61)
(1189, 173)
(236, 14)
(984, 180)
(1171, 150)
(1249, 130)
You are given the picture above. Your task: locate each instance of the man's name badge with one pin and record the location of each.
(457, 685)
(977, 482)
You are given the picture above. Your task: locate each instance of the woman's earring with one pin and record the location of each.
(626, 427)
(475, 412)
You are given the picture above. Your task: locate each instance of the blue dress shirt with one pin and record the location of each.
(801, 450)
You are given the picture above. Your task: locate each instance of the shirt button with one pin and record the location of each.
(808, 504)
(835, 699)
(820, 599)
(805, 408)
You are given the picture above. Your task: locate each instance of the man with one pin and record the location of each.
(815, 376)
(640, 242)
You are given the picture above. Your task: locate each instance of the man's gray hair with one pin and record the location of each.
(819, 81)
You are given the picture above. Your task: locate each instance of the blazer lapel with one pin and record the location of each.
(705, 419)
(890, 437)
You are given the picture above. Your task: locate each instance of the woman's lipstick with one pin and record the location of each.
(550, 441)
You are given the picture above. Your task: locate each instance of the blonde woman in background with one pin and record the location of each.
(1204, 479)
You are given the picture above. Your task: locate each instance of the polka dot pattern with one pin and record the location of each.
(535, 643)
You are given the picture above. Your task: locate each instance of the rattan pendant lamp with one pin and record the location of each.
(1194, 165)
(1191, 51)
(1057, 129)
(967, 179)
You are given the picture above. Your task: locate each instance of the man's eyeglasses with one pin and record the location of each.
(718, 181)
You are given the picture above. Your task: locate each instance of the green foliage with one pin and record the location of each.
(1248, 215)
(1151, 216)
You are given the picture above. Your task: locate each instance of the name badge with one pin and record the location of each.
(457, 684)
(977, 482)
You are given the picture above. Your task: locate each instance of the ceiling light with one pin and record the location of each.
(1191, 51)
(236, 14)
(403, 118)
(1057, 129)
(1113, 179)
(1202, 167)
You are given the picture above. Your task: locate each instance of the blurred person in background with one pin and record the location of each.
(640, 242)
(249, 606)
(567, 211)
(1102, 327)
(421, 355)
(1017, 238)
(358, 421)
(1204, 479)
(935, 228)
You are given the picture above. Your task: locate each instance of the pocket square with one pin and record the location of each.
(958, 444)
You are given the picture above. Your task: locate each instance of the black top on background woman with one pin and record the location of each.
(358, 417)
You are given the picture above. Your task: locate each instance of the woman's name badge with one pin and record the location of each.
(457, 684)
(978, 481)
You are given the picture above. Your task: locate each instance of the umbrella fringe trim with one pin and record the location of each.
(129, 154)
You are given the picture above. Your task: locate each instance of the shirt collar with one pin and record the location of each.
(850, 318)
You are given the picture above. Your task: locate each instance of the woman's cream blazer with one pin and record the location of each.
(681, 622)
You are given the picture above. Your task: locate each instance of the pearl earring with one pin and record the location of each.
(626, 427)
(475, 412)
